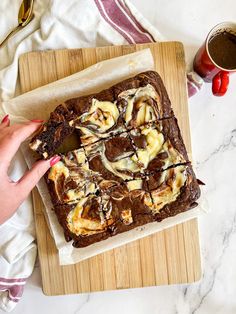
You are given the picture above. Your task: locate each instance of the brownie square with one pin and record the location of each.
(142, 99)
(70, 179)
(113, 159)
(127, 205)
(158, 145)
(84, 221)
(173, 191)
(101, 120)
(50, 136)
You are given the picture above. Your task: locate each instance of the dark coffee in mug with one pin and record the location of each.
(215, 60)
(222, 49)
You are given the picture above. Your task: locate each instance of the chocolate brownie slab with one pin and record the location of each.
(131, 166)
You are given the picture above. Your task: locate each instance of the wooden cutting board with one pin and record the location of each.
(167, 257)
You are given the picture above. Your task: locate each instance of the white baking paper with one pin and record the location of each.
(40, 102)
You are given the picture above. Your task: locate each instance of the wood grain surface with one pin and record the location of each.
(168, 257)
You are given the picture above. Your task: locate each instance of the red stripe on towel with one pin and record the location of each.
(12, 280)
(115, 14)
(133, 18)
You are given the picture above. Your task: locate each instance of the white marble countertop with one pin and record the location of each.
(213, 127)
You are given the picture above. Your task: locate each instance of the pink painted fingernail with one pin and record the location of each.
(5, 119)
(54, 160)
(37, 120)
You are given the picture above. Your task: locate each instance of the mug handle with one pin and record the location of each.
(220, 83)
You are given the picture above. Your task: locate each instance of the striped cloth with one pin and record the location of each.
(56, 24)
(13, 289)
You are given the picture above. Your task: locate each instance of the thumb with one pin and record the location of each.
(32, 176)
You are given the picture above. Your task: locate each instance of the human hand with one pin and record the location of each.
(12, 194)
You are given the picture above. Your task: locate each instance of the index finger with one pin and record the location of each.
(13, 137)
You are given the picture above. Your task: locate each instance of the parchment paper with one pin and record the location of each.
(41, 101)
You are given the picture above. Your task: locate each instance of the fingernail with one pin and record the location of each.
(5, 119)
(54, 160)
(37, 120)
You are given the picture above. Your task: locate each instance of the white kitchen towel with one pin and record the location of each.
(56, 24)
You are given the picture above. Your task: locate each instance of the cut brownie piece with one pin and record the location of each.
(113, 159)
(142, 99)
(52, 134)
(125, 105)
(173, 191)
(101, 120)
(70, 179)
(84, 221)
(158, 145)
